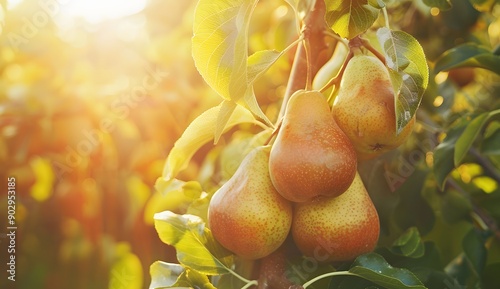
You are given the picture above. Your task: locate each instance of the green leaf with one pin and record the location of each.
(379, 4)
(441, 4)
(483, 5)
(413, 210)
(220, 45)
(164, 275)
(226, 111)
(127, 272)
(181, 282)
(409, 244)
(220, 52)
(468, 55)
(464, 142)
(196, 248)
(374, 268)
(198, 133)
(260, 62)
(444, 153)
(489, 146)
(455, 207)
(490, 277)
(250, 102)
(197, 280)
(408, 71)
(469, 135)
(349, 18)
(475, 251)
(189, 279)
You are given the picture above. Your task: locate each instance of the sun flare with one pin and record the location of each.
(97, 10)
(93, 11)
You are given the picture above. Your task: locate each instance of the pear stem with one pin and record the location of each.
(250, 284)
(338, 77)
(275, 132)
(386, 17)
(372, 49)
(253, 282)
(331, 274)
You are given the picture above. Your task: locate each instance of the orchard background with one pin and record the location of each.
(92, 104)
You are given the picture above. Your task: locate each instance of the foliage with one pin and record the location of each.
(85, 151)
(436, 194)
(86, 147)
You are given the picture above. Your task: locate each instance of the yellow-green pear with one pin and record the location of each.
(330, 69)
(337, 229)
(311, 156)
(364, 108)
(247, 215)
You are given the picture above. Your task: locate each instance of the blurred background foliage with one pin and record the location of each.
(90, 109)
(83, 141)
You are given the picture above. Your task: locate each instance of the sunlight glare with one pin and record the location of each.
(95, 11)
(13, 3)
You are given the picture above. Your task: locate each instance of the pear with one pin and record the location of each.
(247, 215)
(330, 69)
(337, 229)
(311, 155)
(273, 269)
(364, 108)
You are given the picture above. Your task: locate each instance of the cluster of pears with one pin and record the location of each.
(306, 184)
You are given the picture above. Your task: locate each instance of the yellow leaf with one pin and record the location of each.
(199, 132)
(42, 188)
(250, 102)
(159, 203)
(173, 197)
(165, 275)
(139, 194)
(226, 110)
(126, 273)
(487, 184)
(220, 44)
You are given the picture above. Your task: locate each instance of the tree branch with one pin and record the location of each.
(313, 29)
(489, 168)
(479, 212)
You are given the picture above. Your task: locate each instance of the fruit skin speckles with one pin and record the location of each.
(364, 108)
(311, 155)
(247, 215)
(343, 227)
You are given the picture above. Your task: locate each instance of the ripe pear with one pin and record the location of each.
(364, 108)
(274, 270)
(337, 229)
(247, 215)
(311, 155)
